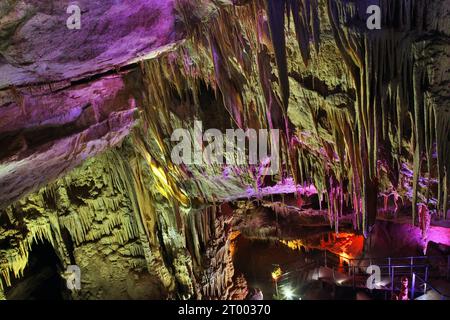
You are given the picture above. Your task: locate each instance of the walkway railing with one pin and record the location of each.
(424, 287)
(390, 268)
(418, 269)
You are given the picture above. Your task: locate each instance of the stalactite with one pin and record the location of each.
(384, 64)
(276, 10)
(142, 205)
(2, 293)
(14, 260)
(306, 25)
(442, 125)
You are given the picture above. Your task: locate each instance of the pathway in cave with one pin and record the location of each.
(256, 259)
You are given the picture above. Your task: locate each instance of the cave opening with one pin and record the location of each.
(69, 244)
(41, 278)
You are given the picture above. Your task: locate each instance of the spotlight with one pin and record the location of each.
(288, 293)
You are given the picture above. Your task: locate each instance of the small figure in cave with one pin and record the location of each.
(403, 295)
(396, 199)
(424, 219)
(299, 201)
(72, 275)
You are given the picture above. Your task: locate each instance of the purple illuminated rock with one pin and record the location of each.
(36, 46)
(45, 133)
(54, 113)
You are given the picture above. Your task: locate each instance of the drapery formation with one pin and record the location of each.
(392, 82)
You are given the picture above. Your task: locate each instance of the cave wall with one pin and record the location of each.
(181, 255)
(66, 94)
(47, 131)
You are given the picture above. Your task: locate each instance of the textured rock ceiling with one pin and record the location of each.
(365, 116)
(37, 47)
(60, 102)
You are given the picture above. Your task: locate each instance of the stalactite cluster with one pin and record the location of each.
(391, 81)
(115, 202)
(384, 65)
(85, 203)
(248, 59)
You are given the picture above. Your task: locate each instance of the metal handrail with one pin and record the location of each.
(397, 258)
(388, 269)
(301, 268)
(393, 273)
(393, 266)
(391, 260)
(427, 285)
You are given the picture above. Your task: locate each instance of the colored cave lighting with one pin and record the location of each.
(294, 244)
(232, 239)
(277, 273)
(137, 137)
(288, 293)
(347, 246)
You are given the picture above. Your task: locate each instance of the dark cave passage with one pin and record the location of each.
(257, 260)
(41, 279)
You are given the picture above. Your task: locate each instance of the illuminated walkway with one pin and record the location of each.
(428, 276)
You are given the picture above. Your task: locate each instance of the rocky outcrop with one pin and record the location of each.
(218, 278)
(47, 131)
(128, 242)
(59, 101)
(38, 47)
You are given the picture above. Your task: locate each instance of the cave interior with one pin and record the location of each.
(225, 149)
